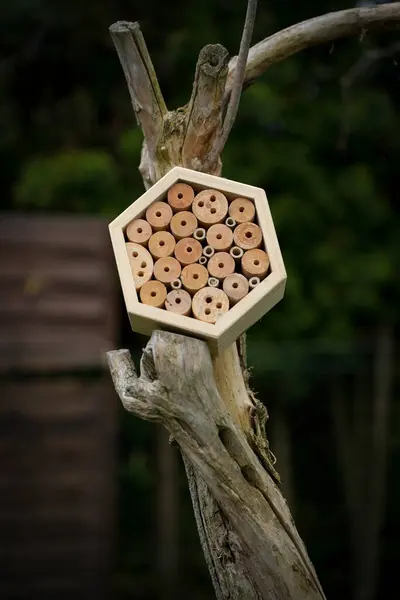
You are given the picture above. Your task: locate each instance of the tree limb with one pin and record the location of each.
(147, 100)
(177, 387)
(320, 30)
(237, 85)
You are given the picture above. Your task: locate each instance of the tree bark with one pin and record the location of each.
(263, 555)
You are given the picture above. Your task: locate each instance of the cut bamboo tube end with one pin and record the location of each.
(220, 237)
(179, 302)
(139, 231)
(161, 244)
(159, 216)
(209, 304)
(210, 207)
(242, 210)
(247, 236)
(213, 282)
(180, 197)
(176, 284)
(167, 269)
(255, 263)
(194, 277)
(199, 234)
(231, 223)
(235, 287)
(188, 251)
(141, 263)
(203, 260)
(236, 252)
(183, 224)
(253, 282)
(208, 251)
(221, 265)
(153, 293)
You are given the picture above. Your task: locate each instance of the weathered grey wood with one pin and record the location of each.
(177, 388)
(320, 30)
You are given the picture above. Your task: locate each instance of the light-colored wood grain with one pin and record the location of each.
(139, 231)
(209, 304)
(183, 224)
(179, 302)
(194, 277)
(248, 236)
(161, 244)
(242, 210)
(159, 215)
(180, 197)
(153, 293)
(141, 264)
(221, 265)
(144, 319)
(188, 251)
(220, 237)
(210, 207)
(235, 287)
(167, 269)
(255, 263)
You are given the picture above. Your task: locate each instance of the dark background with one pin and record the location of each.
(320, 133)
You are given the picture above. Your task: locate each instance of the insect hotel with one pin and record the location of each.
(198, 255)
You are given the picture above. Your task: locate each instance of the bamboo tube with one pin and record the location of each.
(220, 237)
(194, 277)
(179, 302)
(199, 234)
(236, 253)
(235, 287)
(161, 244)
(180, 197)
(209, 304)
(242, 210)
(213, 282)
(255, 263)
(159, 215)
(153, 293)
(203, 260)
(210, 207)
(188, 251)
(221, 265)
(247, 236)
(183, 224)
(167, 269)
(208, 251)
(231, 223)
(176, 284)
(253, 282)
(139, 231)
(141, 263)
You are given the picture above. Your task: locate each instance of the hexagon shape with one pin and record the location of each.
(144, 318)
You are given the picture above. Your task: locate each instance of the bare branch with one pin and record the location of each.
(320, 30)
(147, 100)
(205, 109)
(237, 85)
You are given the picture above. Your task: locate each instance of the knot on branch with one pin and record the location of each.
(213, 60)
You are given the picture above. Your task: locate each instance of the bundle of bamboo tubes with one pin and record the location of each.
(196, 255)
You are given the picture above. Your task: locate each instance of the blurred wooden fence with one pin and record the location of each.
(58, 316)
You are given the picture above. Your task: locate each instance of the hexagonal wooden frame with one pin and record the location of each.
(145, 319)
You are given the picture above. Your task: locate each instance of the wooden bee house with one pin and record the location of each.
(198, 255)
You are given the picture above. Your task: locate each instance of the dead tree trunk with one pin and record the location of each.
(250, 542)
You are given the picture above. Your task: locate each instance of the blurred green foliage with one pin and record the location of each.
(328, 158)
